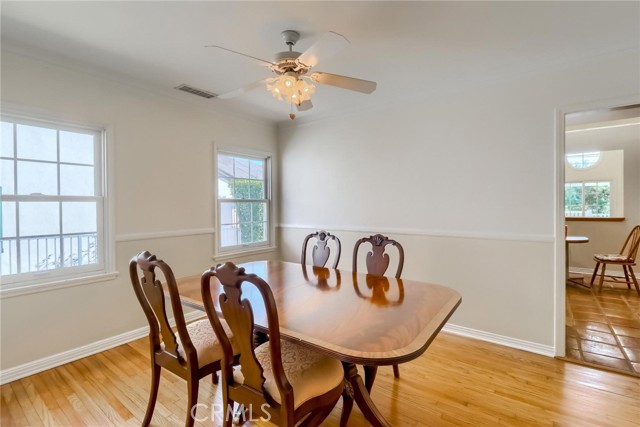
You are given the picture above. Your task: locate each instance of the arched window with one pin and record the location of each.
(583, 160)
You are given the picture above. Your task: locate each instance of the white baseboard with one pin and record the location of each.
(589, 271)
(545, 350)
(49, 362)
(55, 360)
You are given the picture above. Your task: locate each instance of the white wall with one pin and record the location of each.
(163, 182)
(465, 179)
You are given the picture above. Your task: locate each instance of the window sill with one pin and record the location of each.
(227, 255)
(16, 290)
(594, 219)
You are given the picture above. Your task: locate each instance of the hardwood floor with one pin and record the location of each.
(457, 382)
(603, 328)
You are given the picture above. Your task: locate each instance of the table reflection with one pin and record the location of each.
(382, 288)
(322, 277)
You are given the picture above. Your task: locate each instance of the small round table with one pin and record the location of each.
(576, 280)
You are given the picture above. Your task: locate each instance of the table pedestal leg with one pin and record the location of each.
(355, 390)
(575, 281)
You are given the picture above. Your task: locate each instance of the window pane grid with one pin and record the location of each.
(38, 241)
(588, 199)
(242, 200)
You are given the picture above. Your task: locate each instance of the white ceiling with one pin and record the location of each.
(411, 49)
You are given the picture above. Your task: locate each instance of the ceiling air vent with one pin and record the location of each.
(194, 91)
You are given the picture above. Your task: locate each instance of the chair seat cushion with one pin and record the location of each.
(205, 341)
(611, 258)
(310, 373)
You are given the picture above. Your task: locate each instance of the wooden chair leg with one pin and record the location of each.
(604, 267)
(228, 412)
(595, 273)
(153, 394)
(317, 417)
(214, 378)
(370, 376)
(396, 371)
(347, 407)
(192, 401)
(626, 276)
(635, 281)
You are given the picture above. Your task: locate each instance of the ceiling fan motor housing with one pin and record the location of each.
(290, 37)
(285, 62)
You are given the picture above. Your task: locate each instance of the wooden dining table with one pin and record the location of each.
(357, 318)
(567, 241)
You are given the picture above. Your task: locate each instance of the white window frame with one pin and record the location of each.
(582, 183)
(33, 282)
(249, 248)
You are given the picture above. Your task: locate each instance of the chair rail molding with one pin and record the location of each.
(546, 238)
(164, 234)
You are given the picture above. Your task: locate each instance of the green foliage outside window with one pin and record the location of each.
(251, 216)
(590, 199)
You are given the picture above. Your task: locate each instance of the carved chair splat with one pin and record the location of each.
(321, 251)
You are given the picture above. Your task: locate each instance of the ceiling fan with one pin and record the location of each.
(293, 83)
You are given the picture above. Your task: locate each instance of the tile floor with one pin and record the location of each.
(604, 328)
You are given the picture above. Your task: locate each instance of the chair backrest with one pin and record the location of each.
(238, 314)
(377, 259)
(321, 251)
(631, 244)
(149, 290)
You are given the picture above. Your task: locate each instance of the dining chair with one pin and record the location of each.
(282, 381)
(321, 251)
(193, 354)
(377, 262)
(626, 259)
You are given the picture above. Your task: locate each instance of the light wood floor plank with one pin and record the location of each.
(457, 382)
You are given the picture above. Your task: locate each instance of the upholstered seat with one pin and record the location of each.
(310, 373)
(205, 341)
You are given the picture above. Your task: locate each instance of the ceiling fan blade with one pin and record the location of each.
(344, 82)
(329, 44)
(243, 89)
(304, 106)
(240, 53)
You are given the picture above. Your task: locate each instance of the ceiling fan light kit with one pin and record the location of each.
(292, 85)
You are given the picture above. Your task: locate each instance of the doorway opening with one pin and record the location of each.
(600, 206)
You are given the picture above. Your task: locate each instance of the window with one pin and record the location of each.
(587, 199)
(583, 160)
(52, 180)
(244, 203)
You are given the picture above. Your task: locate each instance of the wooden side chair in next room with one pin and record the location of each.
(626, 259)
